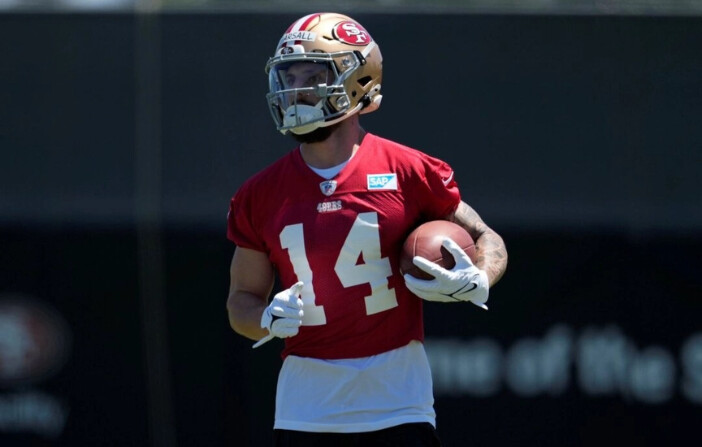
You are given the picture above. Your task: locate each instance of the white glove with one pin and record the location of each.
(464, 282)
(283, 316)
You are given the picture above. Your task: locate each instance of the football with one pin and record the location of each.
(425, 241)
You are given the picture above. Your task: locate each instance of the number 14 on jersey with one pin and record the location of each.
(363, 239)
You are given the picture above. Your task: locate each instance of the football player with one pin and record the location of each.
(328, 219)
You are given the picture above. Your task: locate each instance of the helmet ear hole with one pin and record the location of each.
(364, 81)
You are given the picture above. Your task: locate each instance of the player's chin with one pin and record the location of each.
(316, 136)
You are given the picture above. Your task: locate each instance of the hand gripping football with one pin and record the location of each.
(425, 241)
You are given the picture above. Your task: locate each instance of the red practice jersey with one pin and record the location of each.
(342, 237)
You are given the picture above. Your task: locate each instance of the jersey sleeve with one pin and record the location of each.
(240, 221)
(437, 191)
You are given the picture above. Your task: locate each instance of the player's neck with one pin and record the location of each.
(341, 145)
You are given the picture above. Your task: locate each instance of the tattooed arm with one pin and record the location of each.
(491, 253)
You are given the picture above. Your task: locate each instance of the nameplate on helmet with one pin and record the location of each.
(307, 36)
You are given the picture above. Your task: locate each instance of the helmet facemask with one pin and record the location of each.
(307, 90)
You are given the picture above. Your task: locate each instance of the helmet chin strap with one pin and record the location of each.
(308, 113)
(302, 118)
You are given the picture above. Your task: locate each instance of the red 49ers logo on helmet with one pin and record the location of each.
(352, 33)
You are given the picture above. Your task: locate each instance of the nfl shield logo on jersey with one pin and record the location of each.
(328, 187)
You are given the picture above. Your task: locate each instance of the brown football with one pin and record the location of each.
(425, 241)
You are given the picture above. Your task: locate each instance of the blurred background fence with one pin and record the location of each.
(574, 128)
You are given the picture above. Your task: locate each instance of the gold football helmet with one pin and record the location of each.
(326, 67)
